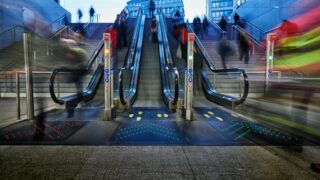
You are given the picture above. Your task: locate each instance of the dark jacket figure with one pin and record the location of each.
(244, 47)
(152, 7)
(117, 26)
(80, 14)
(223, 23)
(205, 25)
(225, 50)
(123, 31)
(176, 25)
(197, 25)
(91, 13)
(236, 19)
(153, 26)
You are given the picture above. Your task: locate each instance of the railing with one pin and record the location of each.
(130, 70)
(256, 44)
(11, 35)
(254, 30)
(54, 26)
(212, 93)
(217, 27)
(167, 65)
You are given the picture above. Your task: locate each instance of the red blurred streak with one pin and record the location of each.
(306, 21)
(37, 127)
(54, 129)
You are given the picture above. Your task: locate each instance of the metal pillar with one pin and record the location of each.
(18, 95)
(29, 83)
(108, 80)
(269, 58)
(188, 95)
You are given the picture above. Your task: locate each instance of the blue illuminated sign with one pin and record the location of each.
(107, 76)
(190, 77)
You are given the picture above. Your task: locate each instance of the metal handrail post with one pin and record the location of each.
(29, 83)
(18, 95)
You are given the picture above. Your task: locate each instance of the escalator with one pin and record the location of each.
(149, 89)
(203, 89)
(94, 64)
(155, 84)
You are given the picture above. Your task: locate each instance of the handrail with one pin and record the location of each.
(253, 39)
(129, 59)
(260, 31)
(203, 51)
(50, 25)
(163, 43)
(10, 29)
(130, 98)
(204, 54)
(215, 25)
(58, 32)
(92, 59)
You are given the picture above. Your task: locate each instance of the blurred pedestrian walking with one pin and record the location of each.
(91, 13)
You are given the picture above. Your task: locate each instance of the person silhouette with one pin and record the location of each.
(91, 13)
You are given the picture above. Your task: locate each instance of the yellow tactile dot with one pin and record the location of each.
(206, 116)
(211, 113)
(159, 115)
(165, 115)
(138, 118)
(140, 112)
(131, 115)
(219, 118)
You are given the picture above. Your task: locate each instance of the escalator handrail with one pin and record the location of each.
(92, 59)
(206, 58)
(169, 61)
(130, 98)
(129, 60)
(131, 52)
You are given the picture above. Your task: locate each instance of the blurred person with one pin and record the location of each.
(117, 26)
(123, 31)
(79, 15)
(236, 19)
(223, 23)
(152, 7)
(75, 60)
(153, 26)
(225, 50)
(184, 41)
(205, 26)
(176, 25)
(196, 24)
(91, 13)
(244, 47)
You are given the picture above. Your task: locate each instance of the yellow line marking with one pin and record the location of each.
(131, 115)
(140, 112)
(211, 113)
(206, 116)
(219, 118)
(138, 119)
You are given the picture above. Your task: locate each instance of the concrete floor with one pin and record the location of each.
(156, 162)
